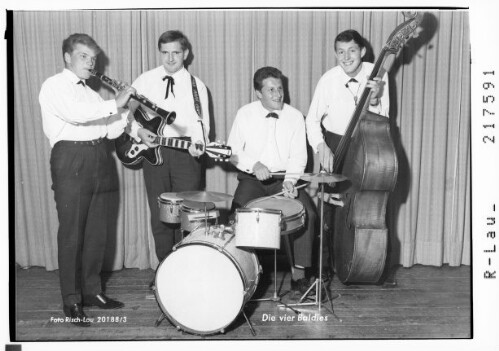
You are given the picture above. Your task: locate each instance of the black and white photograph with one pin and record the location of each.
(291, 175)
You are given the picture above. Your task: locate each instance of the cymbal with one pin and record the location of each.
(204, 196)
(323, 177)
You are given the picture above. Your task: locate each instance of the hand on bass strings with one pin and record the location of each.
(326, 157)
(196, 149)
(289, 190)
(147, 137)
(376, 86)
(261, 171)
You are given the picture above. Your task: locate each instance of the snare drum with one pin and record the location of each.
(169, 207)
(258, 228)
(193, 215)
(293, 212)
(204, 283)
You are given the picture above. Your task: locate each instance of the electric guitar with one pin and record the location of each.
(131, 152)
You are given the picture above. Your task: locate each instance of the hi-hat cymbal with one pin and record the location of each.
(323, 177)
(204, 196)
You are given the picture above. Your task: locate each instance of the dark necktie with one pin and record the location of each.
(272, 115)
(352, 80)
(169, 87)
(81, 82)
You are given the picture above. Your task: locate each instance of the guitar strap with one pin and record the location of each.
(195, 94)
(197, 104)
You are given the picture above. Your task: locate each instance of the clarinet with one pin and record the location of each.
(168, 116)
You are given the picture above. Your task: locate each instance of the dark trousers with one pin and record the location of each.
(179, 172)
(82, 184)
(250, 188)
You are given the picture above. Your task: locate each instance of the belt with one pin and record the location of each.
(82, 142)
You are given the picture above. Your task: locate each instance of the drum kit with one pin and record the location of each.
(212, 273)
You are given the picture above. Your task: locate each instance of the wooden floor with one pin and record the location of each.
(417, 302)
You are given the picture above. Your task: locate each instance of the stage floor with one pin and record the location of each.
(413, 303)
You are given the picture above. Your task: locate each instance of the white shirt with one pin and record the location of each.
(72, 111)
(151, 85)
(279, 144)
(334, 98)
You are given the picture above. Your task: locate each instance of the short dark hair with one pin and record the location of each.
(174, 35)
(264, 73)
(349, 35)
(68, 45)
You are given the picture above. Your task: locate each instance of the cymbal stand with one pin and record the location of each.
(318, 283)
(205, 221)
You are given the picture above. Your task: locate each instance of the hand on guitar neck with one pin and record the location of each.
(150, 139)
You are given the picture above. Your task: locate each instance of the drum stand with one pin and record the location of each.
(159, 320)
(206, 229)
(318, 284)
(275, 297)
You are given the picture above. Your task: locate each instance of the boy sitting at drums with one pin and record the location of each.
(268, 136)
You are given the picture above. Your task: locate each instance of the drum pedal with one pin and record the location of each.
(150, 297)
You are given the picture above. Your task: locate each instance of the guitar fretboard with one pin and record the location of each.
(173, 142)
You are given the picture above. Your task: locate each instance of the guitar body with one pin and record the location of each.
(360, 232)
(130, 152)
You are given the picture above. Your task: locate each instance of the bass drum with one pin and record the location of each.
(204, 283)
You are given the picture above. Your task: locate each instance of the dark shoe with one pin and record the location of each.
(102, 301)
(300, 286)
(76, 315)
(152, 285)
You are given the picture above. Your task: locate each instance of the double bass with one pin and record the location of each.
(366, 156)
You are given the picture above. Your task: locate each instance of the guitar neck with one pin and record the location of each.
(173, 142)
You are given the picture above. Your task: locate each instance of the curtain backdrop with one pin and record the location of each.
(429, 212)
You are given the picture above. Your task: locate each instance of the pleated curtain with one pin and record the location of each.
(429, 211)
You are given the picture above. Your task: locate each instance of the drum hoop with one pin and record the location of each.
(261, 204)
(258, 209)
(185, 208)
(169, 201)
(294, 216)
(170, 196)
(239, 270)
